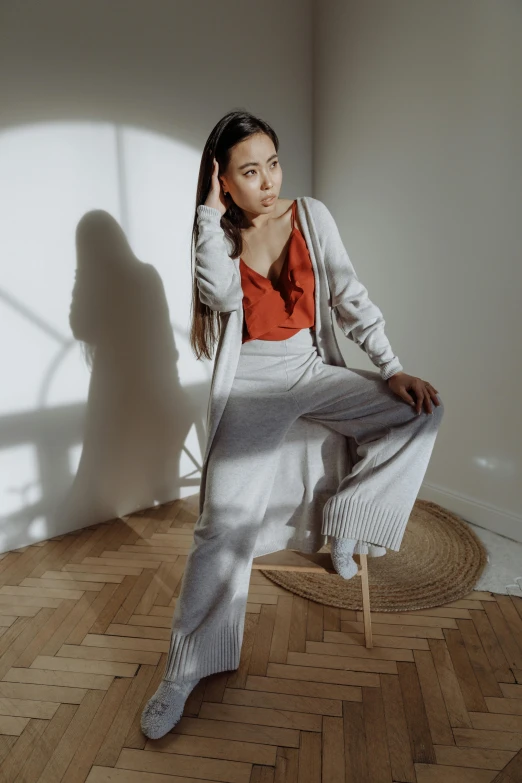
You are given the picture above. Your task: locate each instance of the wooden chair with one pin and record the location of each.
(320, 562)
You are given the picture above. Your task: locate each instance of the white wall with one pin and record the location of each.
(417, 151)
(107, 106)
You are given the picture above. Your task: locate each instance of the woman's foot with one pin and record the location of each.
(165, 708)
(341, 553)
(372, 550)
(376, 551)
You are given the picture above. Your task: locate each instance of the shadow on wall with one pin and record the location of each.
(137, 415)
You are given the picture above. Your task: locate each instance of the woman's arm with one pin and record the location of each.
(358, 317)
(217, 276)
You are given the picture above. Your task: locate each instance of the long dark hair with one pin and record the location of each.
(231, 129)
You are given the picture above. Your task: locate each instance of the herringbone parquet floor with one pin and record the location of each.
(84, 632)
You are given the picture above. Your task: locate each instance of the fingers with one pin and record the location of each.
(405, 396)
(419, 393)
(429, 396)
(422, 396)
(427, 401)
(425, 395)
(434, 396)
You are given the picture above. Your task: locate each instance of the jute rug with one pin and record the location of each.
(440, 560)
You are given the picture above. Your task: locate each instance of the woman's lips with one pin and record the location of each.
(268, 201)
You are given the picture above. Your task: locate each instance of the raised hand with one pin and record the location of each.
(216, 198)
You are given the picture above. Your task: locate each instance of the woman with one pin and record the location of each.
(269, 273)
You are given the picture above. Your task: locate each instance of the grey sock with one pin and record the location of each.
(367, 548)
(374, 550)
(165, 708)
(341, 553)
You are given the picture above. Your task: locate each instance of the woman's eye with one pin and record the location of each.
(274, 163)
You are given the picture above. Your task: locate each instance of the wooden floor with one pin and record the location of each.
(84, 632)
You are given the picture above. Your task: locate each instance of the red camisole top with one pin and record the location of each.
(280, 310)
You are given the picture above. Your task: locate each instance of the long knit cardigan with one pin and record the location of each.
(304, 505)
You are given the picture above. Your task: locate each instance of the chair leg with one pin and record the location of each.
(290, 560)
(363, 559)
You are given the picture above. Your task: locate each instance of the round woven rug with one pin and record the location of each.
(440, 560)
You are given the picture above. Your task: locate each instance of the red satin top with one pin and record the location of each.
(278, 311)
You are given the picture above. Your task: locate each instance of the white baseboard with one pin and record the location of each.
(504, 523)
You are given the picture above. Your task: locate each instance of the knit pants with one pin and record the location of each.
(276, 382)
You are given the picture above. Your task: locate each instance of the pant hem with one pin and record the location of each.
(191, 656)
(364, 519)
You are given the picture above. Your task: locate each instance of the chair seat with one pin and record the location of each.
(291, 560)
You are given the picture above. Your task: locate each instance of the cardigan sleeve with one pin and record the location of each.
(217, 277)
(358, 317)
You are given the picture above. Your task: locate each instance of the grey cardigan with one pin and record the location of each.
(313, 459)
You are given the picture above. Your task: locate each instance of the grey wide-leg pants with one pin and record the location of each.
(275, 383)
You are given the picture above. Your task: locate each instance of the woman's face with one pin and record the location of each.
(253, 174)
